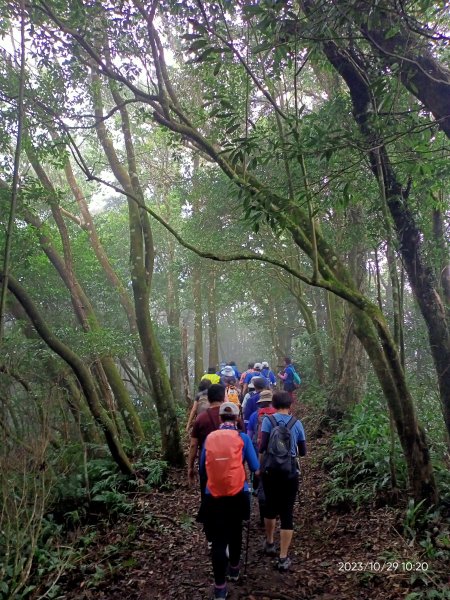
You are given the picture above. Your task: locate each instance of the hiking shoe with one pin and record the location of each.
(220, 593)
(283, 564)
(269, 549)
(233, 573)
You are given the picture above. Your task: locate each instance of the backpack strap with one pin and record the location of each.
(272, 420)
(292, 421)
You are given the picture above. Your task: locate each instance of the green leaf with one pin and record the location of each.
(201, 43)
(190, 36)
(4, 587)
(390, 33)
(233, 128)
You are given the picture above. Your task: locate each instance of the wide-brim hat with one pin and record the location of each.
(227, 372)
(265, 396)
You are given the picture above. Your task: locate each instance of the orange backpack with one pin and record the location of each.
(224, 465)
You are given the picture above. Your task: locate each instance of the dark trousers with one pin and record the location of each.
(223, 526)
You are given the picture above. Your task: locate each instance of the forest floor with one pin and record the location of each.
(160, 552)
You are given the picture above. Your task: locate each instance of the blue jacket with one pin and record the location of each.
(251, 406)
(269, 375)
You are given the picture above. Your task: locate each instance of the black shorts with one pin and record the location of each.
(280, 491)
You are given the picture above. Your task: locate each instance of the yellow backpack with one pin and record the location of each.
(232, 395)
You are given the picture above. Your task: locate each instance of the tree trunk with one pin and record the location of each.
(81, 372)
(80, 412)
(349, 385)
(173, 321)
(212, 322)
(199, 369)
(411, 55)
(87, 223)
(108, 375)
(410, 239)
(296, 289)
(184, 346)
(142, 262)
(443, 262)
(386, 363)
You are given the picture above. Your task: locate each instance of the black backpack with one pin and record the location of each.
(278, 457)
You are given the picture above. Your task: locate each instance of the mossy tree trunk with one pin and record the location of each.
(141, 265)
(108, 376)
(81, 371)
(86, 222)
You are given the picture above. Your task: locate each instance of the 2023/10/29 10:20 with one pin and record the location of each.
(379, 567)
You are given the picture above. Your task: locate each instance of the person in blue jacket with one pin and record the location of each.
(260, 384)
(268, 374)
(225, 509)
(281, 488)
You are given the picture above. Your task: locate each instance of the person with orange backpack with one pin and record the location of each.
(226, 503)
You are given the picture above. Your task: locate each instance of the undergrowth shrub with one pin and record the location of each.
(358, 463)
(69, 491)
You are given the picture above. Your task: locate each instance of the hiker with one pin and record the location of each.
(256, 372)
(254, 431)
(290, 377)
(268, 374)
(211, 375)
(228, 379)
(248, 395)
(227, 376)
(250, 407)
(226, 503)
(263, 407)
(282, 440)
(205, 423)
(221, 368)
(235, 369)
(250, 369)
(201, 402)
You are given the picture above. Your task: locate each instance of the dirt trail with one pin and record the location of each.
(166, 556)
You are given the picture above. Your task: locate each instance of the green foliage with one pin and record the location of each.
(152, 469)
(358, 464)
